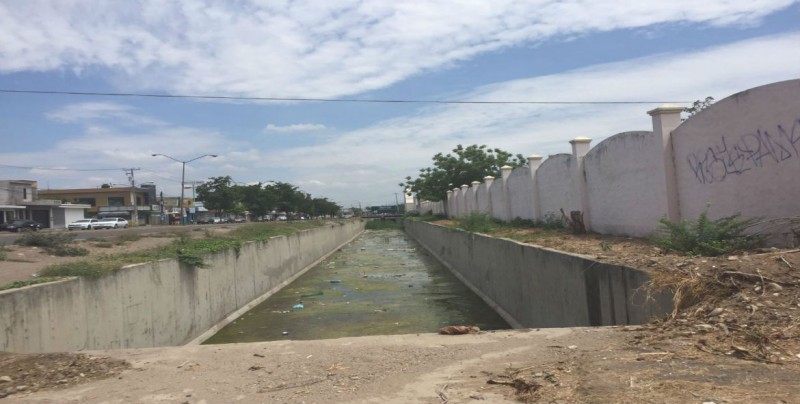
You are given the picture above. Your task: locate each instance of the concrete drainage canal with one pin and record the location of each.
(382, 283)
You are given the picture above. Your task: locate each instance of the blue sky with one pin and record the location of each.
(355, 153)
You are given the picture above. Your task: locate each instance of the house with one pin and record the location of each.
(136, 204)
(19, 199)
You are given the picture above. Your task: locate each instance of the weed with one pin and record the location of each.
(519, 222)
(551, 221)
(707, 237)
(103, 244)
(20, 284)
(38, 239)
(190, 259)
(84, 269)
(383, 225)
(3, 252)
(605, 246)
(187, 250)
(476, 222)
(125, 238)
(67, 251)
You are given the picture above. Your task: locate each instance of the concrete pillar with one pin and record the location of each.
(665, 119)
(534, 161)
(474, 196)
(488, 180)
(462, 201)
(581, 146)
(505, 172)
(456, 212)
(449, 204)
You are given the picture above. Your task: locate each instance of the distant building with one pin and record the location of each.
(137, 204)
(19, 199)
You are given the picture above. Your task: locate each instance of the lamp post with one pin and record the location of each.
(183, 176)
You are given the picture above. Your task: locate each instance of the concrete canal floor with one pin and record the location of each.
(382, 283)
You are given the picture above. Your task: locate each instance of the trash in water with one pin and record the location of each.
(297, 306)
(285, 333)
(336, 281)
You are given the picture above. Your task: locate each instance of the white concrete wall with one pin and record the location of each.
(619, 173)
(740, 155)
(484, 198)
(520, 189)
(555, 186)
(499, 199)
(161, 303)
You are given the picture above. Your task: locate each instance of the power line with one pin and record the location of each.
(155, 174)
(309, 99)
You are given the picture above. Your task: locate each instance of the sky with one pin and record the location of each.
(256, 62)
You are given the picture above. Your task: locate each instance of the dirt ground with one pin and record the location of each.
(733, 338)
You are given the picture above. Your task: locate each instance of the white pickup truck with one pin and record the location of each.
(111, 223)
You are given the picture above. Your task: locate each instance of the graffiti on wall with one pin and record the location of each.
(737, 155)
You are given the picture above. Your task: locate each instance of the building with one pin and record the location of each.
(137, 204)
(19, 199)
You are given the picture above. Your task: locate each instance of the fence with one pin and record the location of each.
(739, 156)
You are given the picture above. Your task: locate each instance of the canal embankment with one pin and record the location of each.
(532, 286)
(162, 303)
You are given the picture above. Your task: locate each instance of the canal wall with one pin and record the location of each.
(533, 286)
(162, 303)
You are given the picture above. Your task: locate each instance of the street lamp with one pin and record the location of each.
(183, 176)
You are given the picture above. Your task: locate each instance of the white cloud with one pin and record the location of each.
(310, 48)
(383, 154)
(298, 127)
(96, 111)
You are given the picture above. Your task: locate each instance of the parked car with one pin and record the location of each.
(83, 224)
(21, 225)
(111, 223)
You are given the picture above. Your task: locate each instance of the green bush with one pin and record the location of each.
(39, 239)
(707, 237)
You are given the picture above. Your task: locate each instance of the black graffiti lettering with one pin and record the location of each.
(792, 137)
(744, 153)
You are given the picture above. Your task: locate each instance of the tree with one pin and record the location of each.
(218, 194)
(258, 199)
(698, 106)
(287, 196)
(467, 164)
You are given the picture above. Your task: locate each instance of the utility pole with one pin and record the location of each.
(396, 204)
(135, 213)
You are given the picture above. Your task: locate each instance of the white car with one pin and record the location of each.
(83, 224)
(111, 223)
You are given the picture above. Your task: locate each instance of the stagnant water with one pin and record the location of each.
(382, 283)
